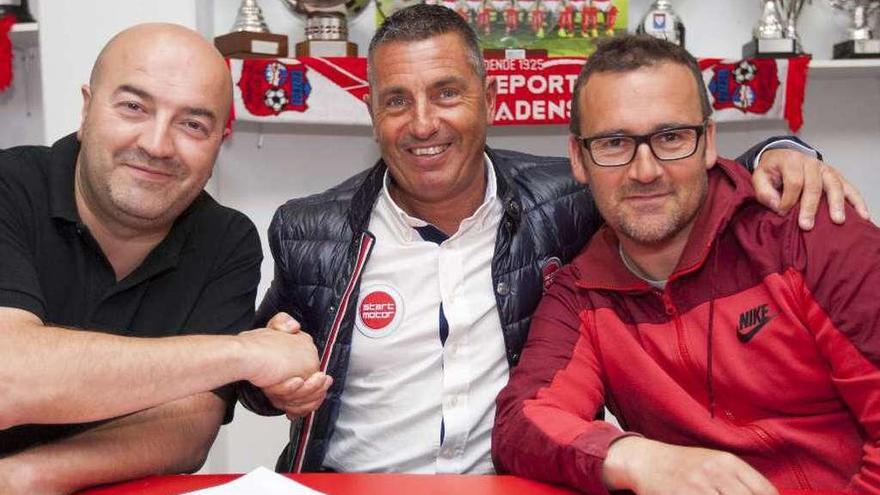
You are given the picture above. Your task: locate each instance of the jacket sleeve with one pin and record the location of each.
(544, 427)
(751, 155)
(277, 299)
(840, 283)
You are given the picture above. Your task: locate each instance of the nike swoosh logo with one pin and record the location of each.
(747, 336)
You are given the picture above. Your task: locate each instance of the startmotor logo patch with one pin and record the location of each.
(379, 311)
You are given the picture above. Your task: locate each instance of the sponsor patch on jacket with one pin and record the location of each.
(379, 311)
(548, 271)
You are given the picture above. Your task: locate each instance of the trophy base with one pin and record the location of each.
(245, 44)
(857, 49)
(771, 48)
(326, 48)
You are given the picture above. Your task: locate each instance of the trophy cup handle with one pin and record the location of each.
(341, 6)
(295, 6)
(781, 11)
(789, 12)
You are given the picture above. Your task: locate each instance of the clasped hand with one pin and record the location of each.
(292, 380)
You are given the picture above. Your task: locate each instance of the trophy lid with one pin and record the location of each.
(250, 18)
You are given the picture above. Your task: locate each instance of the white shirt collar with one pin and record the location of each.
(406, 222)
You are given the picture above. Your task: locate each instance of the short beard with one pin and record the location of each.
(657, 233)
(110, 203)
(653, 234)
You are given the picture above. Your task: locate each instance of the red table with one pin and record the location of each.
(348, 484)
(361, 484)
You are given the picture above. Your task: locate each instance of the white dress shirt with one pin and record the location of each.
(402, 383)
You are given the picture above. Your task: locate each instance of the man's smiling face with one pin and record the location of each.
(430, 112)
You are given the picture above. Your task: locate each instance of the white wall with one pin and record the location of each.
(72, 33)
(262, 166)
(21, 104)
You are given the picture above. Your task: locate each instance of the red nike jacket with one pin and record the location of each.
(765, 343)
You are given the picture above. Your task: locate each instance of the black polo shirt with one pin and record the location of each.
(202, 278)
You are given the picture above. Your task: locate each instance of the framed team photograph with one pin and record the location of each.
(557, 28)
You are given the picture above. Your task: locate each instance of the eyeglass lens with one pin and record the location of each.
(672, 144)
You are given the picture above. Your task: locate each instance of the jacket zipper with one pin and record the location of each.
(769, 442)
(365, 246)
(793, 464)
(683, 352)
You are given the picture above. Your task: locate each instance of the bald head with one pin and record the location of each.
(153, 121)
(169, 44)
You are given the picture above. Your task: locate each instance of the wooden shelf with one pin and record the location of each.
(853, 68)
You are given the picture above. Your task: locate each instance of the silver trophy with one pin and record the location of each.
(326, 27)
(776, 33)
(661, 21)
(250, 36)
(250, 18)
(860, 41)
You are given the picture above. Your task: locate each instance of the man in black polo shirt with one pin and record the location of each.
(110, 233)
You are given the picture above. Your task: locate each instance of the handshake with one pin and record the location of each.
(285, 365)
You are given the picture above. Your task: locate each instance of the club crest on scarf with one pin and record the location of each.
(749, 85)
(269, 87)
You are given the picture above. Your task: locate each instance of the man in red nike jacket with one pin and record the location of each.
(739, 353)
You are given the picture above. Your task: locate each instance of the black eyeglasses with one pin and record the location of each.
(618, 150)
